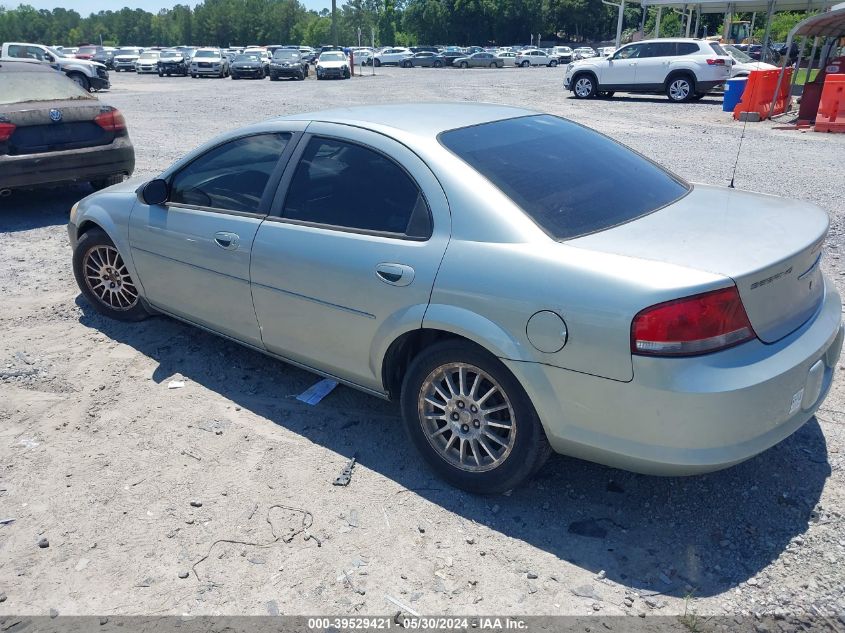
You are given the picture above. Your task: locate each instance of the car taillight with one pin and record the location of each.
(693, 325)
(6, 131)
(716, 62)
(111, 121)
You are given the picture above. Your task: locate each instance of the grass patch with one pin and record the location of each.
(801, 76)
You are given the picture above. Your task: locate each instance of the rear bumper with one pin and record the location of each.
(707, 86)
(682, 416)
(78, 165)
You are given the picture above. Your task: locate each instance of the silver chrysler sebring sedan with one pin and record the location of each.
(520, 283)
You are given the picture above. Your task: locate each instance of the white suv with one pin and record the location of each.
(684, 69)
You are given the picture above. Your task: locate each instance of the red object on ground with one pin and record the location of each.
(760, 92)
(831, 115)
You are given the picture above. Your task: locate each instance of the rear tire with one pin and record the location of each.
(438, 64)
(680, 88)
(553, 63)
(103, 279)
(377, 62)
(524, 64)
(501, 449)
(464, 65)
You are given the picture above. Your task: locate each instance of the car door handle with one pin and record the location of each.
(227, 241)
(395, 274)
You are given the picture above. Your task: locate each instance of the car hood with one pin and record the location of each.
(769, 246)
(333, 64)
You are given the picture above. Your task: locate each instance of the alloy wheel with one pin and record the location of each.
(679, 89)
(583, 87)
(107, 277)
(467, 417)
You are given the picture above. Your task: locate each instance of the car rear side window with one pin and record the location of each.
(569, 179)
(346, 185)
(687, 48)
(717, 48)
(230, 177)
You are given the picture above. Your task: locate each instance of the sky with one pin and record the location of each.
(84, 7)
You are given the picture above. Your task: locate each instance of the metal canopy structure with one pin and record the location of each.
(830, 25)
(739, 6)
(728, 7)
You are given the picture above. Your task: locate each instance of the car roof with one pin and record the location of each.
(419, 119)
(24, 66)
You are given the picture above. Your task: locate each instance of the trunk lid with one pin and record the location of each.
(37, 132)
(770, 246)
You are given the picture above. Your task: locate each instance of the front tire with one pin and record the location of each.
(525, 64)
(553, 63)
(464, 65)
(438, 64)
(102, 277)
(377, 62)
(471, 420)
(584, 86)
(81, 80)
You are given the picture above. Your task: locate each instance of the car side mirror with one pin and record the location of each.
(154, 193)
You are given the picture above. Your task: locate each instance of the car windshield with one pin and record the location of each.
(333, 57)
(87, 50)
(286, 54)
(55, 53)
(126, 51)
(738, 55)
(150, 55)
(569, 179)
(207, 54)
(248, 58)
(168, 54)
(22, 87)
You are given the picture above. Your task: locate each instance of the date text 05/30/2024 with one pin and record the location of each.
(418, 623)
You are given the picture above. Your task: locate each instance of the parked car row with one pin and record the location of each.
(252, 63)
(480, 59)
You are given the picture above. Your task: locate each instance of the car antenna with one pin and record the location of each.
(741, 138)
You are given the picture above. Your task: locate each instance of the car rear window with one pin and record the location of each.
(569, 179)
(22, 87)
(717, 48)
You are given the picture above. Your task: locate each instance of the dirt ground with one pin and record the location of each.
(228, 480)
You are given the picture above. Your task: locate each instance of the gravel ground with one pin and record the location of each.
(118, 486)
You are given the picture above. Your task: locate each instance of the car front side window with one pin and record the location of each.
(345, 185)
(230, 177)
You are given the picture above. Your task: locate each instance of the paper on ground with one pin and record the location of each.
(317, 391)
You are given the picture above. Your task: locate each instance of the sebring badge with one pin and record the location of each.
(55, 115)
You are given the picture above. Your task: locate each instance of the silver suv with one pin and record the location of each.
(209, 62)
(683, 69)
